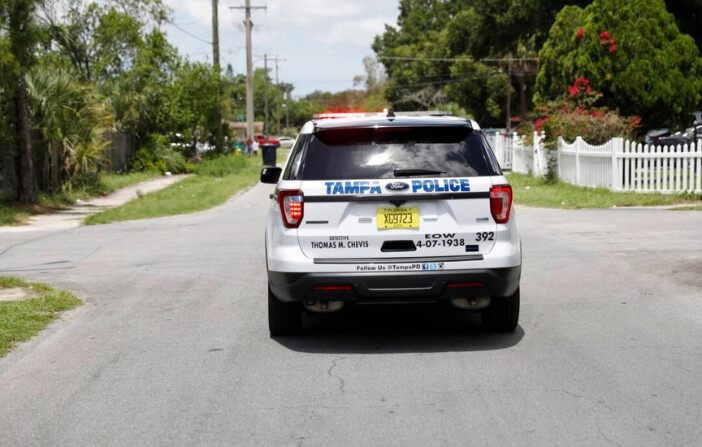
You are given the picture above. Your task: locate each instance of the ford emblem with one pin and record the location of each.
(396, 186)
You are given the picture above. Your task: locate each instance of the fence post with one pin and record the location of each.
(698, 170)
(578, 143)
(617, 148)
(535, 154)
(559, 151)
(543, 154)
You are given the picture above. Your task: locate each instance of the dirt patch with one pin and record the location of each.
(16, 293)
(690, 272)
(681, 267)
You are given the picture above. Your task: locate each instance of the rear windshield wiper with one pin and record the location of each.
(411, 172)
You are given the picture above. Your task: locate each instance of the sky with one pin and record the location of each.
(323, 42)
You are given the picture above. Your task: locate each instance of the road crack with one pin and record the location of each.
(330, 373)
(606, 438)
(599, 401)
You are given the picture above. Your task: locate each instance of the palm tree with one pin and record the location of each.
(19, 16)
(71, 123)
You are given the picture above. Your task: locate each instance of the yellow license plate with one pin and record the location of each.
(389, 218)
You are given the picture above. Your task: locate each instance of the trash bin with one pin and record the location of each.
(269, 154)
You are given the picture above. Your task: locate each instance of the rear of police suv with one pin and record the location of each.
(391, 209)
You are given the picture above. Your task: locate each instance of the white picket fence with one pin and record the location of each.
(514, 154)
(629, 166)
(618, 165)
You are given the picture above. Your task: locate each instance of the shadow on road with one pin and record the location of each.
(385, 329)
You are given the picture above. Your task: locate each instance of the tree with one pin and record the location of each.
(688, 15)
(69, 122)
(632, 52)
(111, 44)
(22, 36)
(7, 132)
(410, 52)
(375, 81)
(461, 51)
(190, 104)
(101, 40)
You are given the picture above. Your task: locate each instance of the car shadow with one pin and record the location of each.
(389, 329)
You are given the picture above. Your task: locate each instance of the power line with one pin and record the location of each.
(448, 81)
(189, 33)
(193, 21)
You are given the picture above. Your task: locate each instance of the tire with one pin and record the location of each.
(503, 313)
(283, 318)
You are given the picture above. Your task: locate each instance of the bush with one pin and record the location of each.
(159, 155)
(577, 115)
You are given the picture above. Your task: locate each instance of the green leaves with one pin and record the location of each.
(631, 51)
(458, 51)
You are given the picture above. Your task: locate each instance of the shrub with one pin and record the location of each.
(576, 114)
(160, 155)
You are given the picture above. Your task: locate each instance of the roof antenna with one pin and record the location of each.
(391, 114)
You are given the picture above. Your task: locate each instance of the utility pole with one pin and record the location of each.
(215, 59)
(287, 108)
(215, 34)
(267, 58)
(277, 94)
(249, 68)
(508, 125)
(265, 94)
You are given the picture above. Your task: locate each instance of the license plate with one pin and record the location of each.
(390, 218)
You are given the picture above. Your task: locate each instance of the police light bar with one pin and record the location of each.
(334, 115)
(385, 113)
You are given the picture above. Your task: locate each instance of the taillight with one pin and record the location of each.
(292, 207)
(500, 202)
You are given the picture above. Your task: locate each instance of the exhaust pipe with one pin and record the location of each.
(324, 306)
(472, 303)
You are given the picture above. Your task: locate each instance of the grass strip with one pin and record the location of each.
(533, 191)
(215, 180)
(113, 182)
(12, 213)
(688, 208)
(23, 319)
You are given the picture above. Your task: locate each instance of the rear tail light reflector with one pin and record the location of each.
(464, 285)
(333, 288)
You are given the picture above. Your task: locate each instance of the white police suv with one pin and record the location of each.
(391, 208)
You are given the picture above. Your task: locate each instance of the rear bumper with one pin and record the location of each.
(387, 287)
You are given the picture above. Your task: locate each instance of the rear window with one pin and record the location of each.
(370, 153)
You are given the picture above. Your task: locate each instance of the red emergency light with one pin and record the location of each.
(335, 115)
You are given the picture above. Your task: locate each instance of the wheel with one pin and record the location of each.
(283, 318)
(503, 313)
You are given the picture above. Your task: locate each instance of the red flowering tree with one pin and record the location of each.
(632, 52)
(575, 114)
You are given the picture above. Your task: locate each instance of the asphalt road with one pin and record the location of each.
(172, 346)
